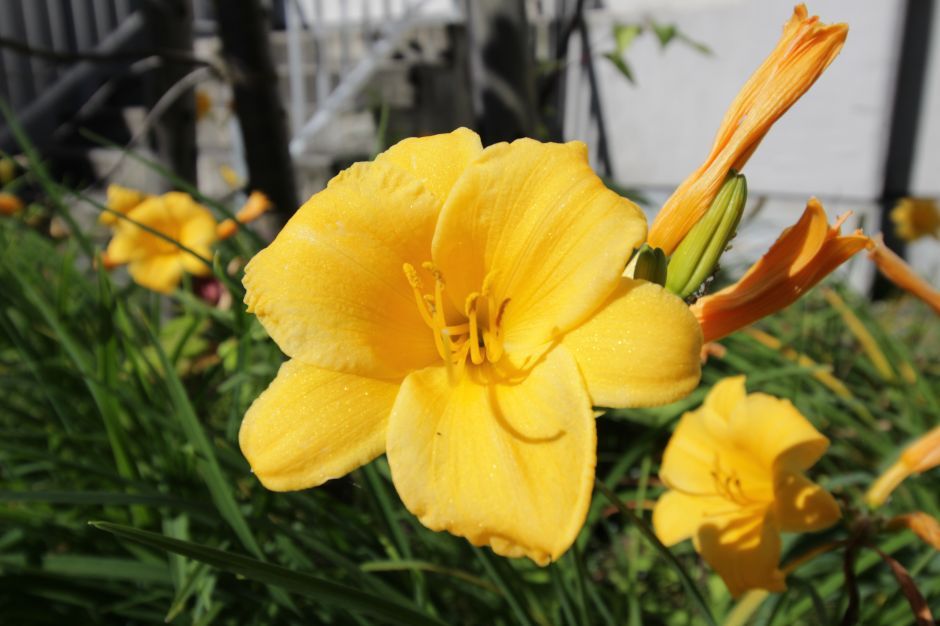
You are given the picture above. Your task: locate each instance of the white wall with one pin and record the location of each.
(830, 143)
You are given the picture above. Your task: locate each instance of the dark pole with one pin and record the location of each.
(171, 28)
(501, 69)
(244, 27)
(905, 114)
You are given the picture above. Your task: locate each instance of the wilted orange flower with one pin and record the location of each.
(803, 255)
(257, 205)
(806, 48)
(920, 456)
(734, 468)
(9, 204)
(915, 218)
(120, 200)
(900, 273)
(203, 104)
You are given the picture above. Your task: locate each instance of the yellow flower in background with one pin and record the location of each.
(462, 309)
(154, 262)
(804, 254)
(917, 458)
(10, 204)
(915, 218)
(120, 200)
(734, 469)
(804, 51)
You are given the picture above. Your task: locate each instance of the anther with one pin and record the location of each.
(476, 355)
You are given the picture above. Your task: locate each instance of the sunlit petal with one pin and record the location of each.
(312, 425)
(640, 349)
(330, 289)
(534, 225)
(504, 464)
(438, 160)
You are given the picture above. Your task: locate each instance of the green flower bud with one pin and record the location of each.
(650, 265)
(697, 256)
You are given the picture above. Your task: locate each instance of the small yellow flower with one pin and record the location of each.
(803, 255)
(120, 200)
(462, 310)
(10, 204)
(156, 263)
(734, 469)
(230, 176)
(920, 456)
(804, 51)
(915, 218)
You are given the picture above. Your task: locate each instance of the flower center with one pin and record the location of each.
(728, 485)
(476, 336)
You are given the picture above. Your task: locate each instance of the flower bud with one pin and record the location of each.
(650, 265)
(697, 256)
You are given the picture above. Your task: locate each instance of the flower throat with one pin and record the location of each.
(478, 337)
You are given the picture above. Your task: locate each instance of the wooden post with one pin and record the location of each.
(501, 69)
(244, 27)
(170, 25)
(905, 115)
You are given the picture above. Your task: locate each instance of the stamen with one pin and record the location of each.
(415, 281)
(476, 355)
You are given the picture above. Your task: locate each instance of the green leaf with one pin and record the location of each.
(318, 589)
(621, 65)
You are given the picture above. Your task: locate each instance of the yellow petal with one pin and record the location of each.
(504, 464)
(122, 200)
(438, 160)
(330, 289)
(776, 434)
(689, 458)
(160, 272)
(744, 550)
(677, 516)
(640, 349)
(725, 396)
(803, 506)
(535, 223)
(312, 425)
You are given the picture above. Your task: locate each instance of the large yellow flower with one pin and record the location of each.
(154, 262)
(734, 468)
(462, 310)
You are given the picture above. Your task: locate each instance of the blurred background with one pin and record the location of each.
(279, 95)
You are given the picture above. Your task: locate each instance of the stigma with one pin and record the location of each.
(477, 337)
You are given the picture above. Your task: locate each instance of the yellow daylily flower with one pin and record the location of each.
(461, 310)
(915, 218)
(804, 51)
(120, 200)
(734, 469)
(917, 458)
(804, 254)
(153, 262)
